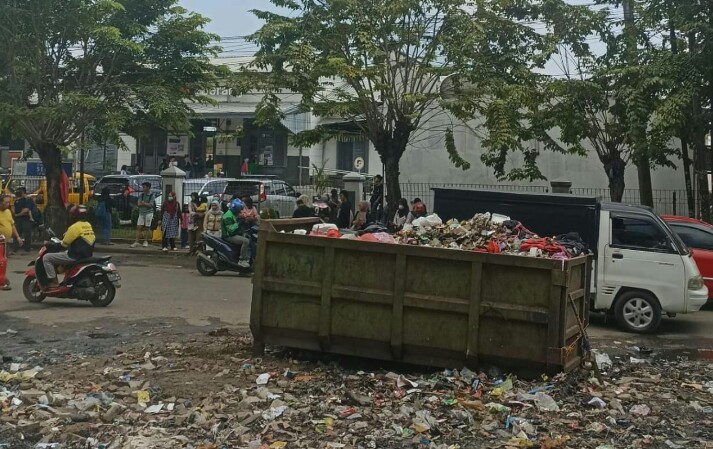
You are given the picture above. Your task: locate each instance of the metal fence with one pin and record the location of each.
(666, 202)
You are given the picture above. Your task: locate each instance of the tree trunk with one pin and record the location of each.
(691, 201)
(393, 187)
(615, 168)
(55, 213)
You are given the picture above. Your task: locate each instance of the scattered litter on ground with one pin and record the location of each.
(211, 394)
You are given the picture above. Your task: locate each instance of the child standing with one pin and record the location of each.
(185, 219)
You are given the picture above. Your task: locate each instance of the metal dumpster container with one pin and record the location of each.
(428, 306)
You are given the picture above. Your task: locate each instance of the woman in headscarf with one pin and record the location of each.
(170, 220)
(103, 214)
(213, 219)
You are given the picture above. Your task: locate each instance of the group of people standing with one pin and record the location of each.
(337, 209)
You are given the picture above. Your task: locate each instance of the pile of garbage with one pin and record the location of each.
(491, 233)
(210, 394)
(488, 233)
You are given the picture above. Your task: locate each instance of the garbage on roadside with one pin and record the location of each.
(490, 233)
(181, 402)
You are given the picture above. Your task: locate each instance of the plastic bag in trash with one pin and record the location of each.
(603, 360)
(544, 402)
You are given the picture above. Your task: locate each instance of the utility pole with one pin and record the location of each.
(641, 159)
(81, 170)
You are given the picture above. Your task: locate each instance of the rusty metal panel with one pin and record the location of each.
(413, 304)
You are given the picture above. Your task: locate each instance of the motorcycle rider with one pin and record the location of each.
(232, 232)
(78, 240)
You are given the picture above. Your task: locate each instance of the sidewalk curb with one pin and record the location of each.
(123, 248)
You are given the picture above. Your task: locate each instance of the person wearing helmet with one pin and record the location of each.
(231, 231)
(78, 241)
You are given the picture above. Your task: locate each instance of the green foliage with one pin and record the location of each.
(320, 179)
(453, 155)
(376, 64)
(506, 91)
(97, 67)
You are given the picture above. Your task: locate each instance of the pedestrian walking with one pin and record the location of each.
(303, 208)
(103, 215)
(170, 221)
(147, 207)
(345, 215)
(7, 227)
(195, 225)
(213, 219)
(185, 219)
(24, 221)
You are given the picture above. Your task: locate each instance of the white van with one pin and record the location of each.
(641, 268)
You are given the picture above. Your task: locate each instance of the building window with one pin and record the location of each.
(347, 152)
(266, 146)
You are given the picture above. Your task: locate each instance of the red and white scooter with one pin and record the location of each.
(93, 279)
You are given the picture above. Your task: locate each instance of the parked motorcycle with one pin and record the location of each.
(93, 279)
(215, 254)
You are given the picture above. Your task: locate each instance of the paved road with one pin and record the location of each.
(152, 287)
(168, 293)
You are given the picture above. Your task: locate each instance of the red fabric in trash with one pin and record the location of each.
(332, 234)
(494, 247)
(545, 245)
(368, 238)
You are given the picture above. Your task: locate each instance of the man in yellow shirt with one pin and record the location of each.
(7, 227)
(79, 241)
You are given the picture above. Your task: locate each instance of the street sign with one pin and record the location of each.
(35, 168)
(359, 163)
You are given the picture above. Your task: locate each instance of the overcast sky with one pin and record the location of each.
(229, 17)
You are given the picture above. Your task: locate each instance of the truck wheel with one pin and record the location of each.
(31, 290)
(638, 312)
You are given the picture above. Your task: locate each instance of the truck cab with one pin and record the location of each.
(641, 268)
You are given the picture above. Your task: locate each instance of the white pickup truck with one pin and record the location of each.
(641, 268)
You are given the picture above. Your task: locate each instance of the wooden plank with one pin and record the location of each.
(291, 286)
(555, 322)
(370, 295)
(256, 305)
(476, 288)
(454, 305)
(514, 312)
(397, 313)
(325, 311)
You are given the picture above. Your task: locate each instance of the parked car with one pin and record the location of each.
(207, 186)
(265, 192)
(118, 183)
(698, 235)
